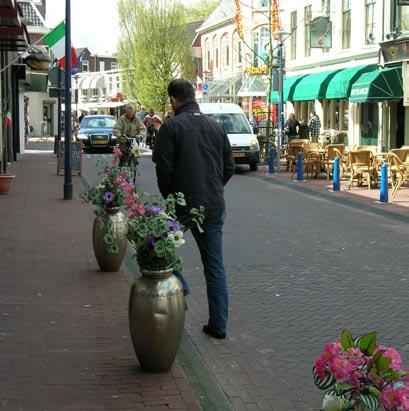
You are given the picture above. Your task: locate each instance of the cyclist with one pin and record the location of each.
(152, 123)
(127, 127)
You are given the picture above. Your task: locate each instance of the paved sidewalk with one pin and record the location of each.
(64, 336)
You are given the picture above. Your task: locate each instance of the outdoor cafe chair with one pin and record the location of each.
(361, 163)
(291, 157)
(332, 151)
(311, 162)
(372, 148)
(399, 170)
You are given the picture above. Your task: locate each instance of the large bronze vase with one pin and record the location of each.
(156, 319)
(114, 220)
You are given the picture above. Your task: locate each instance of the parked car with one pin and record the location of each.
(243, 142)
(96, 131)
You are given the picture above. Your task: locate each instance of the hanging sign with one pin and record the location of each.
(321, 33)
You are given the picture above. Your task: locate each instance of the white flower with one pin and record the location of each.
(177, 238)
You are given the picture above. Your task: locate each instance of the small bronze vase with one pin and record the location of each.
(115, 222)
(156, 319)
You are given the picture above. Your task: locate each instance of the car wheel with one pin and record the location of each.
(253, 166)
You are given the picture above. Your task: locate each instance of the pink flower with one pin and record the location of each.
(395, 398)
(129, 200)
(330, 351)
(115, 163)
(128, 187)
(117, 152)
(119, 180)
(394, 355)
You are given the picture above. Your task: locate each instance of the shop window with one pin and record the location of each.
(236, 49)
(225, 50)
(403, 18)
(369, 124)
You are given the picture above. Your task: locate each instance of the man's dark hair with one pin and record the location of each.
(181, 90)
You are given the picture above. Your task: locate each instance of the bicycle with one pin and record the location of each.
(130, 158)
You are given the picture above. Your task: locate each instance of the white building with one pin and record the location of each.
(346, 84)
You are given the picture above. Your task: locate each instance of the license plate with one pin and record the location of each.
(99, 142)
(239, 154)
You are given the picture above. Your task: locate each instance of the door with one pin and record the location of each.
(47, 123)
(400, 125)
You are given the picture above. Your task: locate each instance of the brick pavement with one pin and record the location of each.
(300, 269)
(64, 334)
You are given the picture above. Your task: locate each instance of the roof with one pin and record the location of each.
(31, 14)
(225, 10)
(192, 27)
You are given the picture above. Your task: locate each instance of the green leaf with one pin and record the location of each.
(342, 387)
(373, 390)
(367, 343)
(371, 401)
(395, 374)
(382, 365)
(347, 340)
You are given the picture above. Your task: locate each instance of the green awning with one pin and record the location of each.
(378, 86)
(313, 86)
(340, 85)
(289, 86)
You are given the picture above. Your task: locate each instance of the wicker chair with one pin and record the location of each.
(399, 169)
(361, 166)
(332, 151)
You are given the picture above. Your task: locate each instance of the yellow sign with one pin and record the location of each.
(257, 70)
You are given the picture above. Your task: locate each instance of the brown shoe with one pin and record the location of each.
(213, 333)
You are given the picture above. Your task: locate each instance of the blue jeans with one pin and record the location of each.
(211, 252)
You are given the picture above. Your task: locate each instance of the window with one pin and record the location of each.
(114, 65)
(85, 65)
(264, 3)
(256, 40)
(216, 52)
(370, 21)
(236, 49)
(369, 123)
(403, 18)
(207, 57)
(102, 66)
(307, 40)
(234, 123)
(293, 26)
(225, 50)
(346, 24)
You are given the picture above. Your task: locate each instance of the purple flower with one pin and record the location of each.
(108, 197)
(150, 240)
(173, 226)
(155, 209)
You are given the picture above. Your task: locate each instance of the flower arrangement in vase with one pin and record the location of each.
(358, 374)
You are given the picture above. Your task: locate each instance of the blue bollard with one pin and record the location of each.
(384, 183)
(300, 176)
(271, 159)
(336, 185)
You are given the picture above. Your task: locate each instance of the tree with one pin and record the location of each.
(201, 11)
(154, 48)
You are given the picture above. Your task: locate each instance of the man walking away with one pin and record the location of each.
(127, 126)
(193, 156)
(314, 126)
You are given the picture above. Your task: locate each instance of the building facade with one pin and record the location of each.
(346, 80)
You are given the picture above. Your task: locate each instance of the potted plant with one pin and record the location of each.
(110, 225)
(5, 181)
(156, 301)
(358, 374)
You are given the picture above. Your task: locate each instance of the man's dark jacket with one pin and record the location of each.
(193, 156)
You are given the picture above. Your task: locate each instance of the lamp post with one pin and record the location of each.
(76, 97)
(68, 189)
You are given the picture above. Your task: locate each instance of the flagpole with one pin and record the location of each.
(68, 188)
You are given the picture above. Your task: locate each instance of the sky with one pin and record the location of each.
(94, 23)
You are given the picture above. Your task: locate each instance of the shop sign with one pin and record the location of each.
(360, 91)
(257, 70)
(403, 2)
(395, 51)
(321, 33)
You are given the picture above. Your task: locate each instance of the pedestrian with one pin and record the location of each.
(82, 115)
(193, 156)
(314, 126)
(303, 131)
(152, 123)
(291, 127)
(127, 126)
(142, 113)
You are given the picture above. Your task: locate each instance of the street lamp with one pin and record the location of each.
(280, 59)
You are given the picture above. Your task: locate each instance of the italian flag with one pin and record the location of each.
(55, 40)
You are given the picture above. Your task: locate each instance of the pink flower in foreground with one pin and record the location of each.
(128, 187)
(394, 355)
(115, 163)
(330, 351)
(129, 200)
(397, 398)
(117, 152)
